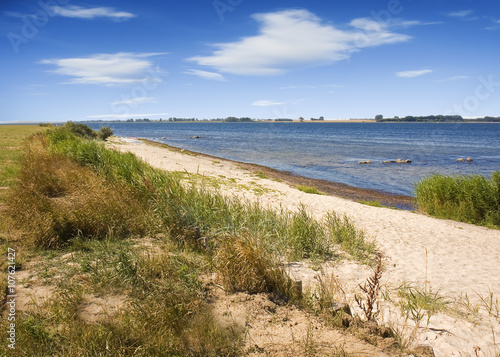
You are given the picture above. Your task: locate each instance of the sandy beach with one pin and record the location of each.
(457, 260)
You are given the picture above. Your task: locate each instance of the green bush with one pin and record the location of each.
(104, 132)
(85, 132)
(472, 199)
(80, 130)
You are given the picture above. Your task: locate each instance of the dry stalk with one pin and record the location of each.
(371, 290)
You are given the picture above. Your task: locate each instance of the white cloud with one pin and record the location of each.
(90, 13)
(453, 78)
(107, 69)
(138, 100)
(126, 116)
(411, 74)
(267, 103)
(206, 75)
(295, 37)
(462, 13)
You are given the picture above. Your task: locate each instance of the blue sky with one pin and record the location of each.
(78, 60)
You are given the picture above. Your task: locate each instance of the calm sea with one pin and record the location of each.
(331, 151)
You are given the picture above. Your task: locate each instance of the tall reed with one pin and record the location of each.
(472, 199)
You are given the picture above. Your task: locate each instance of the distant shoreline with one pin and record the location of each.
(339, 121)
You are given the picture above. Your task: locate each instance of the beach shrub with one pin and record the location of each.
(104, 132)
(86, 132)
(80, 130)
(472, 199)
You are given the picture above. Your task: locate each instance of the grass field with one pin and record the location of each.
(11, 144)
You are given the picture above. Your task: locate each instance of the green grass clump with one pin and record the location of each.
(375, 204)
(417, 303)
(260, 174)
(472, 199)
(372, 203)
(352, 240)
(308, 189)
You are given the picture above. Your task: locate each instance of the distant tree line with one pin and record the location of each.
(182, 119)
(238, 120)
(437, 118)
(489, 119)
(428, 118)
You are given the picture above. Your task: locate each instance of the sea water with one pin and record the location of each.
(332, 151)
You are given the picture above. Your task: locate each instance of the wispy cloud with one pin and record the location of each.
(495, 25)
(138, 100)
(91, 13)
(267, 103)
(206, 75)
(408, 23)
(462, 13)
(126, 116)
(105, 69)
(298, 87)
(454, 78)
(295, 37)
(411, 74)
